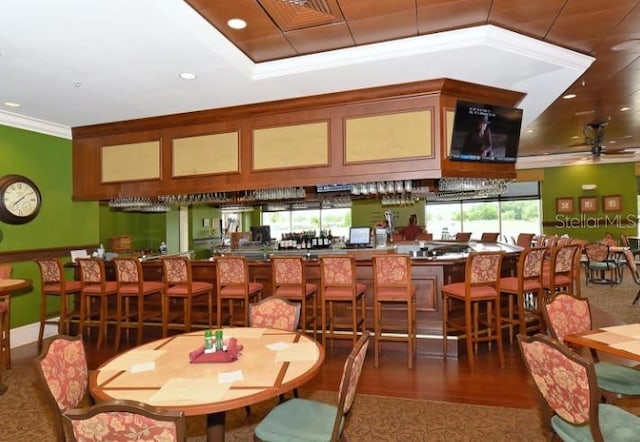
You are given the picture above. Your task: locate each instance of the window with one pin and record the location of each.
(336, 220)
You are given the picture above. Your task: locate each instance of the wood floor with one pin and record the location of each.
(433, 377)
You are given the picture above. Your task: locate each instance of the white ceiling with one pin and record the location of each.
(73, 63)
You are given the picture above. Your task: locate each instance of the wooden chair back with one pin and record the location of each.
(274, 312)
(566, 314)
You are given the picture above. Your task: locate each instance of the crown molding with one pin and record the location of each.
(34, 125)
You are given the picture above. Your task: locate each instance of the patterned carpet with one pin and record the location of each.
(25, 418)
(373, 418)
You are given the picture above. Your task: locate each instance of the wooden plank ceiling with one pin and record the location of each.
(606, 30)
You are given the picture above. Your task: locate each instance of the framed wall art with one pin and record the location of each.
(612, 203)
(564, 205)
(588, 204)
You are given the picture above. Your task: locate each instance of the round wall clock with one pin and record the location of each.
(20, 199)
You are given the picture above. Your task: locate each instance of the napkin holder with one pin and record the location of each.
(229, 355)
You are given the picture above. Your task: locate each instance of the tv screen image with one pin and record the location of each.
(485, 132)
(359, 236)
(261, 234)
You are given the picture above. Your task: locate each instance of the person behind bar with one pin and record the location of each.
(411, 231)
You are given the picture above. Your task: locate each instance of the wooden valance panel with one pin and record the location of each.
(387, 133)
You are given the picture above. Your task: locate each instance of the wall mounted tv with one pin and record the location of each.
(261, 234)
(485, 132)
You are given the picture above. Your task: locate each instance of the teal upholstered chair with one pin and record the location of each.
(309, 420)
(566, 314)
(577, 414)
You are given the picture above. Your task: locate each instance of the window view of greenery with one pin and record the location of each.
(507, 217)
(336, 220)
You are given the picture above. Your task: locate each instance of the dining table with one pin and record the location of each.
(7, 288)
(622, 341)
(173, 373)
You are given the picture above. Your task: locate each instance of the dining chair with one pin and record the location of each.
(601, 267)
(424, 236)
(180, 286)
(524, 290)
(53, 284)
(393, 288)
(131, 284)
(5, 320)
(308, 420)
(289, 281)
(630, 261)
(274, 312)
(94, 284)
(489, 237)
(463, 236)
(233, 284)
(525, 240)
(566, 314)
(62, 373)
(480, 286)
(338, 286)
(124, 420)
(568, 388)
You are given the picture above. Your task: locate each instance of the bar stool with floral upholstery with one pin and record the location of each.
(392, 286)
(232, 276)
(339, 286)
(288, 275)
(54, 284)
(95, 285)
(179, 285)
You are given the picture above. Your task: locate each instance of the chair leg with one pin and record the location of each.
(469, 331)
(445, 319)
(377, 329)
(43, 316)
(118, 320)
(499, 333)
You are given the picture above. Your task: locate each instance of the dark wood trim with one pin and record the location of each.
(31, 254)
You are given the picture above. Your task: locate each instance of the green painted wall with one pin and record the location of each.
(147, 229)
(611, 179)
(61, 222)
(369, 212)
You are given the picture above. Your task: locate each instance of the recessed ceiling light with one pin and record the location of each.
(628, 45)
(11, 104)
(237, 23)
(569, 96)
(575, 137)
(586, 112)
(187, 76)
(530, 131)
(624, 109)
(612, 142)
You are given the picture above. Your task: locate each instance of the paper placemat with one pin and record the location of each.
(248, 332)
(302, 351)
(630, 346)
(189, 390)
(133, 358)
(608, 338)
(632, 330)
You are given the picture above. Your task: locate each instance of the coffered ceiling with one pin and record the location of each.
(72, 63)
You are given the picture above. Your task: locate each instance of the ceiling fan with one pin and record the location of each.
(594, 140)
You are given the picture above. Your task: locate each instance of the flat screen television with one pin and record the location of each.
(485, 132)
(261, 234)
(359, 236)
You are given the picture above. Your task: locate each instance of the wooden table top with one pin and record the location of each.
(196, 388)
(7, 285)
(608, 341)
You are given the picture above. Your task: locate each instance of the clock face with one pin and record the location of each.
(20, 199)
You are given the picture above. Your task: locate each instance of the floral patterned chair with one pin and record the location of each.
(338, 285)
(95, 285)
(567, 314)
(233, 284)
(392, 286)
(274, 312)
(315, 420)
(526, 290)
(122, 421)
(62, 371)
(567, 384)
(599, 264)
(5, 326)
(131, 284)
(54, 284)
(179, 284)
(480, 285)
(288, 275)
